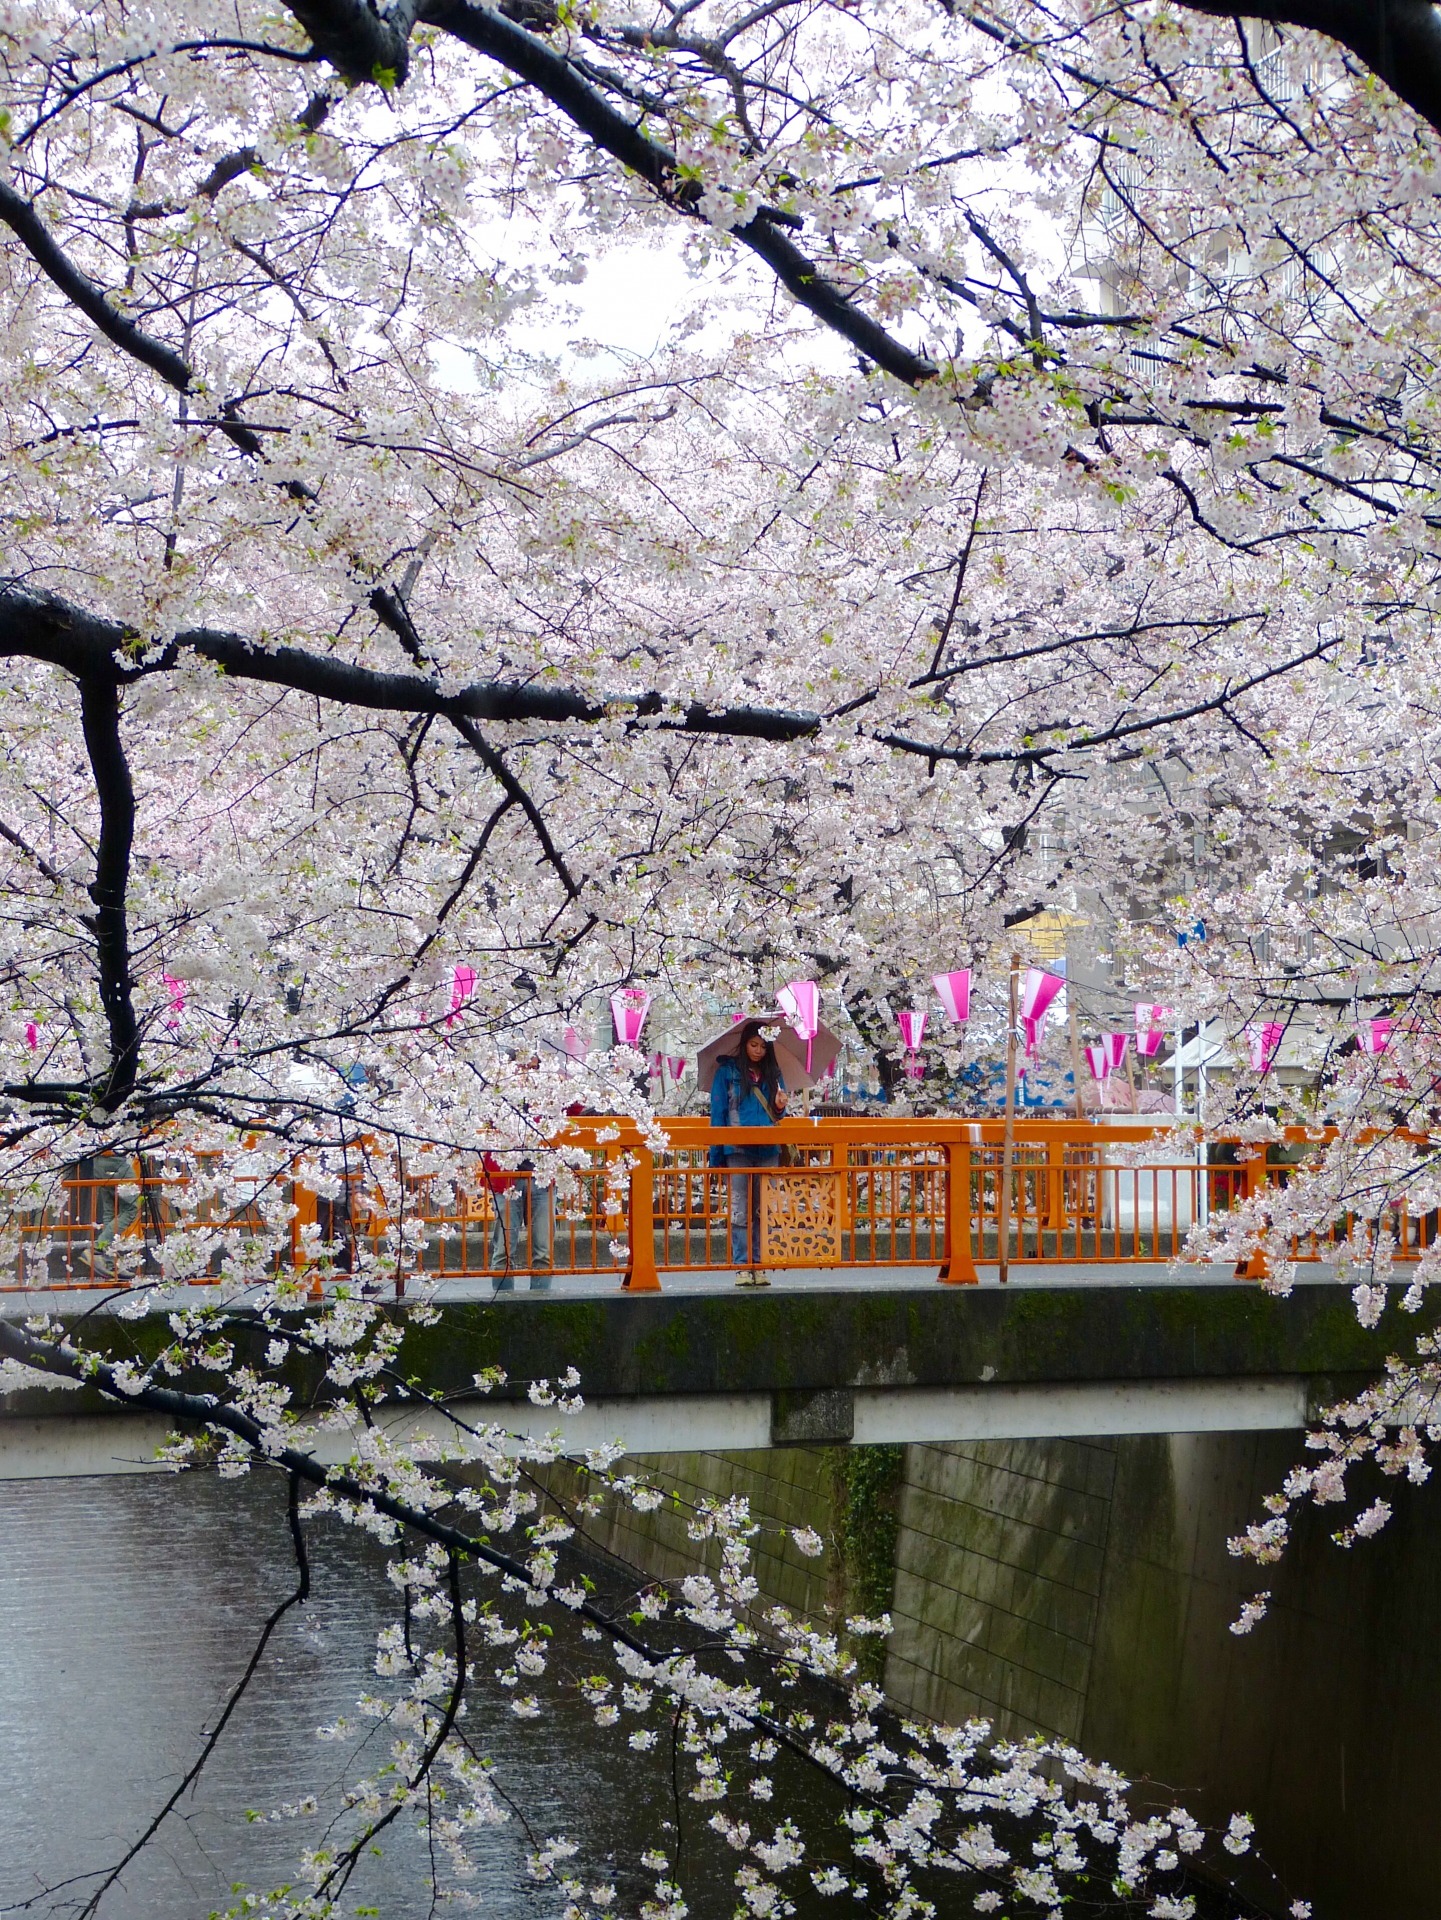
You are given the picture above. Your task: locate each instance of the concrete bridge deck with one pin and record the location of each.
(707, 1366)
(1101, 1329)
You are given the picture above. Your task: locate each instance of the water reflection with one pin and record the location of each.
(128, 1609)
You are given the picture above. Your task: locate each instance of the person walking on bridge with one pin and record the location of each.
(748, 1091)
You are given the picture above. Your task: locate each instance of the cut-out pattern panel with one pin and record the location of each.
(801, 1218)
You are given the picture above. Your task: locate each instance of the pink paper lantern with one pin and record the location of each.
(462, 986)
(573, 1044)
(1031, 1032)
(1262, 1039)
(1375, 1035)
(677, 1068)
(1038, 990)
(1098, 1059)
(656, 1069)
(955, 993)
(628, 1011)
(1150, 1027)
(32, 1035)
(800, 1001)
(912, 1024)
(1115, 1045)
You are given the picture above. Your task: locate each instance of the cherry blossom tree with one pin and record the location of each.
(1041, 508)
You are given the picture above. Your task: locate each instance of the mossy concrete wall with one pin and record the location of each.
(820, 1341)
(786, 1486)
(1323, 1722)
(999, 1561)
(1083, 1589)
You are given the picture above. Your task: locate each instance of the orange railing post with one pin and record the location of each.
(958, 1261)
(1253, 1169)
(640, 1273)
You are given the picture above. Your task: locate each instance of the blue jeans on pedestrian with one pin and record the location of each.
(511, 1208)
(745, 1201)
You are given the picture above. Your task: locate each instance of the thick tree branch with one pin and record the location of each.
(100, 718)
(44, 627)
(391, 608)
(349, 36)
(233, 165)
(92, 300)
(360, 42)
(98, 307)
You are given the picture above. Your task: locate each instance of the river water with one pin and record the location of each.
(128, 1610)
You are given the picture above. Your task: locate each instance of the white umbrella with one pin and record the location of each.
(790, 1050)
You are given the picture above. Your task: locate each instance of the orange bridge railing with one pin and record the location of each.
(855, 1194)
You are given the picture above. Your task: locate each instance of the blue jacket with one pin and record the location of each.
(728, 1087)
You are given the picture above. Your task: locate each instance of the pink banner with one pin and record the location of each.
(912, 1024)
(1375, 1035)
(1262, 1039)
(1038, 990)
(462, 986)
(955, 992)
(800, 1001)
(628, 1011)
(1151, 1017)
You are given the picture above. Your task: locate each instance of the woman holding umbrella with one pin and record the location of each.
(747, 1091)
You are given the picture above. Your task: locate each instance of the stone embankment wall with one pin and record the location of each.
(1083, 1589)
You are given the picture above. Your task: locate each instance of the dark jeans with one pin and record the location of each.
(745, 1201)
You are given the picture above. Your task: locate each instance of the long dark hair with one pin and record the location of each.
(768, 1072)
